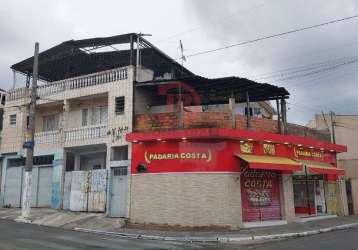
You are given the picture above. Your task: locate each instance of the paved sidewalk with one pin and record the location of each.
(99, 224)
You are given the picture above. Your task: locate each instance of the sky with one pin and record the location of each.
(319, 67)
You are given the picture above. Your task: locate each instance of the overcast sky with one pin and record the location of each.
(318, 67)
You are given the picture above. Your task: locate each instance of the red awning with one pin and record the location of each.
(270, 162)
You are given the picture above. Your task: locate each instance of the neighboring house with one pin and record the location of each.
(2, 104)
(345, 132)
(84, 109)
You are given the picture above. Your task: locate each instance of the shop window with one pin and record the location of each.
(119, 105)
(12, 120)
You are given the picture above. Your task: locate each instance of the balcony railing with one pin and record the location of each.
(72, 83)
(84, 133)
(48, 137)
(18, 93)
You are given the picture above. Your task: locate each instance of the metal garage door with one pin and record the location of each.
(119, 192)
(13, 185)
(44, 186)
(260, 195)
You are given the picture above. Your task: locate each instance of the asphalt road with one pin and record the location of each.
(19, 236)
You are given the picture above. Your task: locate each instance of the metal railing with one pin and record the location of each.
(83, 133)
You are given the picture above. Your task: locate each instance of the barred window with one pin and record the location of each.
(12, 120)
(119, 105)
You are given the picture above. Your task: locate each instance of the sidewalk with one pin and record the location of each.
(99, 224)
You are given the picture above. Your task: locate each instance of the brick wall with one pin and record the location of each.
(188, 200)
(170, 121)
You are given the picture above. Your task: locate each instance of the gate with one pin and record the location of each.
(119, 192)
(88, 191)
(13, 186)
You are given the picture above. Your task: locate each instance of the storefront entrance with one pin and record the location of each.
(260, 195)
(309, 195)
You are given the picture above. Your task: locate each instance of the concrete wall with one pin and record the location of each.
(12, 137)
(188, 200)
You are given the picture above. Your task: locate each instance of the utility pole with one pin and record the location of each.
(29, 144)
(333, 124)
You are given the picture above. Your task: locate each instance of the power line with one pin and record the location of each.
(273, 36)
(302, 68)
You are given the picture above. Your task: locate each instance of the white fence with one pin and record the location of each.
(48, 137)
(72, 83)
(84, 133)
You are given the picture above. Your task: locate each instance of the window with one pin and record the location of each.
(257, 111)
(50, 122)
(3, 99)
(12, 120)
(94, 116)
(246, 111)
(103, 115)
(119, 105)
(119, 153)
(84, 117)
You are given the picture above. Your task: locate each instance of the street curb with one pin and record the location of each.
(221, 239)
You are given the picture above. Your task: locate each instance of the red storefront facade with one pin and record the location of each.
(258, 162)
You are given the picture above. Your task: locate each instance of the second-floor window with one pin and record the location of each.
(12, 120)
(119, 105)
(94, 116)
(50, 122)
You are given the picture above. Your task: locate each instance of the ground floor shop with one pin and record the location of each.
(230, 178)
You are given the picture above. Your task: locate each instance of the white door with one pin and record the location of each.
(13, 184)
(119, 192)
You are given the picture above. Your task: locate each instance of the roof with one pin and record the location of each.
(78, 57)
(219, 90)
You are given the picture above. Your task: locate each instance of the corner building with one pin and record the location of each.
(231, 178)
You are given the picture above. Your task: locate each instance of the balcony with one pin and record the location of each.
(48, 137)
(86, 133)
(171, 121)
(56, 87)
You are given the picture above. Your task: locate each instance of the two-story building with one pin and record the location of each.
(197, 161)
